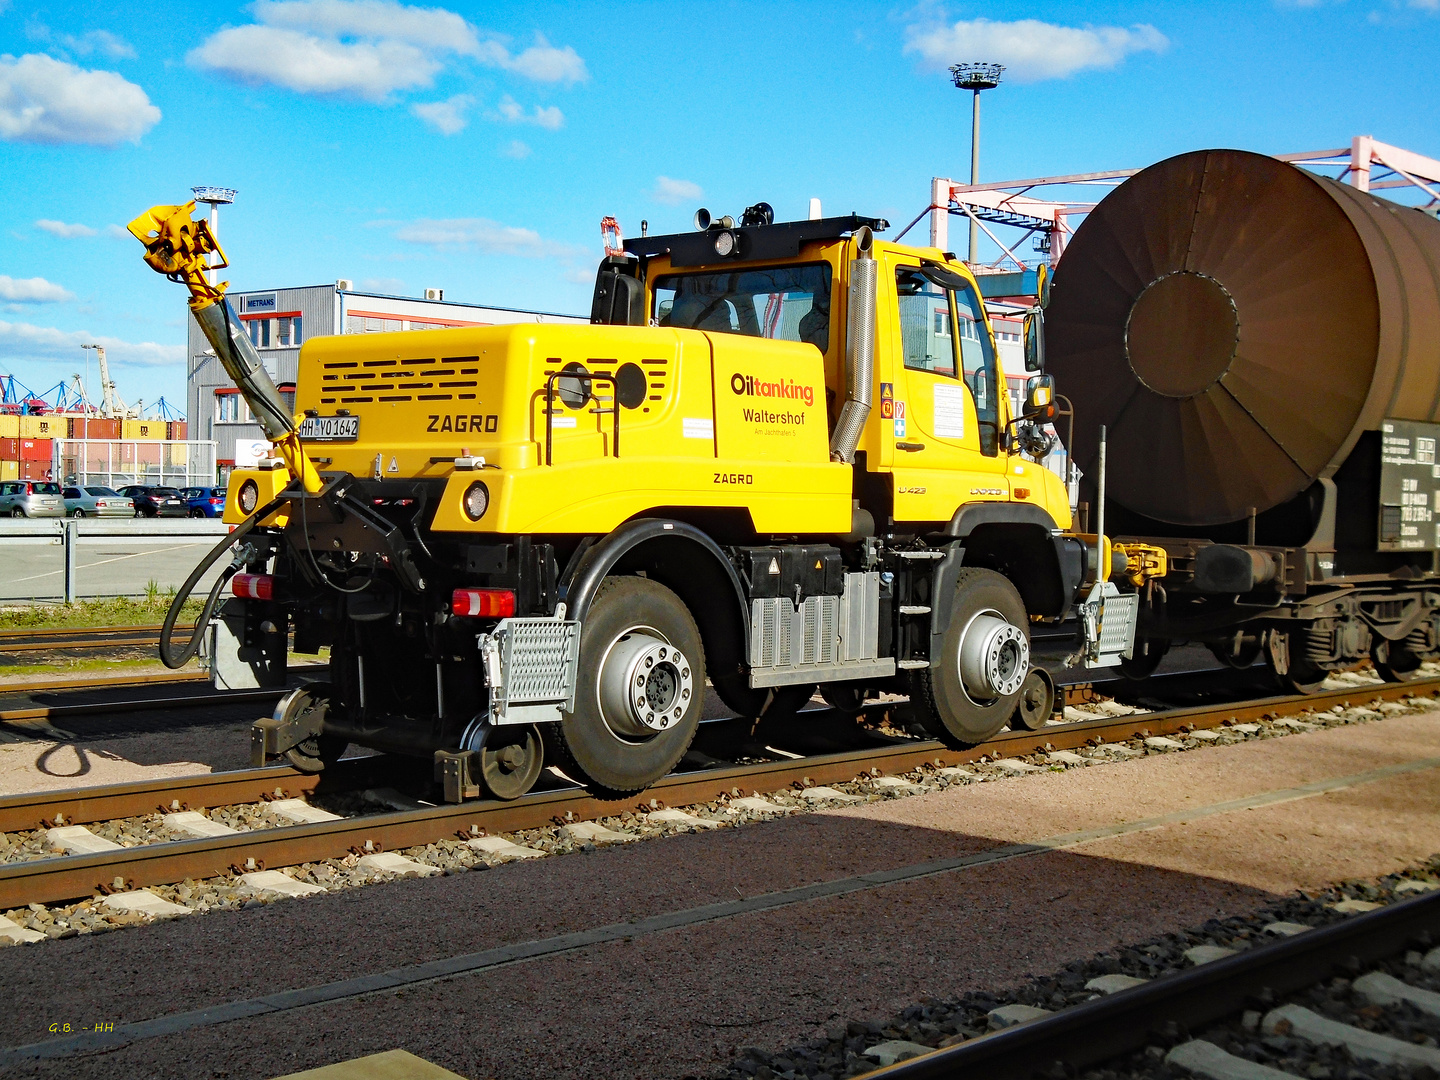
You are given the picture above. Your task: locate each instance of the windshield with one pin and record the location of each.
(101, 491)
(45, 489)
(786, 303)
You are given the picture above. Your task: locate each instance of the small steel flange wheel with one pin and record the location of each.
(1037, 701)
(511, 760)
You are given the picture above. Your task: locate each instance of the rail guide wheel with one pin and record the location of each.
(1037, 701)
(641, 688)
(972, 687)
(506, 759)
(306, 708)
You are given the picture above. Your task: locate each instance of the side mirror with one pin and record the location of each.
(1034, 333)
(619, 298)
(1040, 398)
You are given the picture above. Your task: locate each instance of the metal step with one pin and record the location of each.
(911, 665)
(914, 609)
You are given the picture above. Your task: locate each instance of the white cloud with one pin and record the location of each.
(116, 48)
(25, 342)
(510, 110)
(312, 65)
(673, 192)
(35, 290)
(482, 235)
(62, 230)
(429, 28)
(367, 49)
(516, 149)
(43, 100)
(545, 63)
(1031, 50)
(446, 117)
(117, 232)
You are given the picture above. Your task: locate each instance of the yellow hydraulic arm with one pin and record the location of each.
(179, 248)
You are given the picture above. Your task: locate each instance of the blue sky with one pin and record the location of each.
(476, 147)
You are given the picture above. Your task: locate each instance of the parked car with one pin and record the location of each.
(154, 501)
(31, 498)
(97, 500)
(206, 502)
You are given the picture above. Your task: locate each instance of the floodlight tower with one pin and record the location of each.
(214, 197)
(976, 77)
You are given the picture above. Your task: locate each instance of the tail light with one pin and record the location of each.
(487, 603)
(253, 586)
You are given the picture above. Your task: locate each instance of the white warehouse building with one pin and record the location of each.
(278, 321)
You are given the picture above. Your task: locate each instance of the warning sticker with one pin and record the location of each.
(949, 411)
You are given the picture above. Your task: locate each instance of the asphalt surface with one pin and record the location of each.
(105, 565)
(681, 1001)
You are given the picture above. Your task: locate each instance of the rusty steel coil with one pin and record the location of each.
(1237, 323)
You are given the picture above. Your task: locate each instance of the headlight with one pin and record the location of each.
(249, 497)
(476, 500)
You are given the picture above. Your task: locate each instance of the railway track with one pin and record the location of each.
(809, 763)
(1371, 969)
(70, 639)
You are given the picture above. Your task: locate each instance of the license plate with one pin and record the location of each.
(330, 428)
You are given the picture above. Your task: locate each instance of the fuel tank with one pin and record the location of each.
(1237, 323)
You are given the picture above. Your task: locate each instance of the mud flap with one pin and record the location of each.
(236, 664)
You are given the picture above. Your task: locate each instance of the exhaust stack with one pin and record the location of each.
(859, 350)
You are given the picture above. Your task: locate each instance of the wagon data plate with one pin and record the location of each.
(330, 428)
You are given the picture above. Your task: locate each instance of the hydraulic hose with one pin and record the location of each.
(173, 659)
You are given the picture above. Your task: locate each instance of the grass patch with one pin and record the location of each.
(109, 611)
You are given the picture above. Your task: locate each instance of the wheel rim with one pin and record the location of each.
(511, 760)
(645, 685)
(994, 658)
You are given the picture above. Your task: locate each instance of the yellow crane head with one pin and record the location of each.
(180, 248)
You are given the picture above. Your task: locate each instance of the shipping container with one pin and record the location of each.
(177, 455)
(179, 430)
(9, 470)
(144, 429)
(43, 427)
(34, 470)
(36, 449)
(94, 427)
(9, 426)
(9, 449)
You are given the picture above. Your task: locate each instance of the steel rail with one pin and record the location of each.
(46, 713)
(104, 682)
(1174, 1005)
(65, 877)
(78, 637)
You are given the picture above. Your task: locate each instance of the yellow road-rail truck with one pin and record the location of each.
(781, 458)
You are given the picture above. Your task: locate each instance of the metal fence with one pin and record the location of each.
(114, 462)
(69, 558)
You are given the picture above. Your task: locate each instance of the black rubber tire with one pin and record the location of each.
(937, 696)
(1143, 664)
(1037, 701)
(586, 747)
(848, 699)
(509, 781)
(1394, 662)
(750, 702)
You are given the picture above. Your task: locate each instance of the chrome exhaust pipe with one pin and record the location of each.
(859, 350)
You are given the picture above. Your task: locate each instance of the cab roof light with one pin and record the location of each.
(253, 586)
(483, 603)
